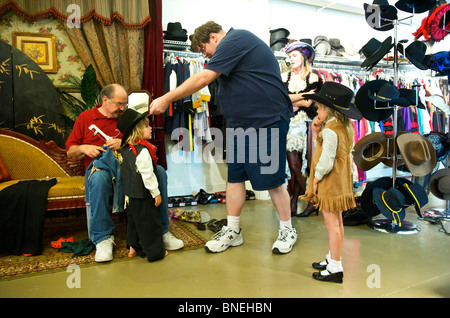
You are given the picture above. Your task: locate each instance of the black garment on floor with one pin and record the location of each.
(22, 211)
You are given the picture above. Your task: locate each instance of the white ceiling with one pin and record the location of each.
(353, 6)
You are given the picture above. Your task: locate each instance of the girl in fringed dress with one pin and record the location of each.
(330, 185)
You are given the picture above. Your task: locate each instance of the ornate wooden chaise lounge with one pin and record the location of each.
(27, 159)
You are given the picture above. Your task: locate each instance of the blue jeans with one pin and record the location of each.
(99, 191)
(163, 208)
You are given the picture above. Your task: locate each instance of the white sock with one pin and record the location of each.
(286, 223)
(233, 222)
(333, 267)
(327, 259)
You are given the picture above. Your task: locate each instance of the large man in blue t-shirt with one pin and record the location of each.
(257, 109)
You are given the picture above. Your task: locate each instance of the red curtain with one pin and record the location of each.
(153, 80)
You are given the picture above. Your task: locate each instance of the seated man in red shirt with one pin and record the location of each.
(83, 141)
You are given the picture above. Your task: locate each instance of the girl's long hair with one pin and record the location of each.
(346, 121)
(138, 131)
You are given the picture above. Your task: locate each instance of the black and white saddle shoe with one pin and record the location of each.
(331, 277)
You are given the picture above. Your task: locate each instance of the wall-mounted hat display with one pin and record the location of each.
(415, 6)
(374, 51)
(417, 152)
(388, 13)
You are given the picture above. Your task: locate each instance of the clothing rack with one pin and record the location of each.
(183, 53)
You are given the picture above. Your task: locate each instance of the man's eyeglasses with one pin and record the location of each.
(125, 105)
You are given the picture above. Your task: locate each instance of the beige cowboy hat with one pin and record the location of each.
(417, 152)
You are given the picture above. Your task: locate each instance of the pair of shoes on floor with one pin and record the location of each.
(227, 237)
(325, 275)
(189, 216)
(104, 250)
(171, 243)
(216, 225)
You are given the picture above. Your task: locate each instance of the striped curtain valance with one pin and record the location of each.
(133, 14)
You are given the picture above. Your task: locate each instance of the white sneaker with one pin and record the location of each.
(223, 239)
(104, 250)
(171, 243)
(285, 241)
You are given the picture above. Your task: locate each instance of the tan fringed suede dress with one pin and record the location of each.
(335, 190)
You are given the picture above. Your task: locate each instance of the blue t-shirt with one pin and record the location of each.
(251, 91)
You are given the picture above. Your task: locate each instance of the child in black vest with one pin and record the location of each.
(140, 185)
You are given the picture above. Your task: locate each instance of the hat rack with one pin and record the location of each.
(386, 225)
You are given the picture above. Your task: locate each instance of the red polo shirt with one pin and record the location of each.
(81, 134)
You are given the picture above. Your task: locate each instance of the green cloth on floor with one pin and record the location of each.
(84, 247)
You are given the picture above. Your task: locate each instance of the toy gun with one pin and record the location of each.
(98, 132)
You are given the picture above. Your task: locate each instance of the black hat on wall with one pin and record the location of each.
(175, 32)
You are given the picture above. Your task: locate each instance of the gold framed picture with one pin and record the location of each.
(40, 47)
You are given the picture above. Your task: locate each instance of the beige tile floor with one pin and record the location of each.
(376, 265)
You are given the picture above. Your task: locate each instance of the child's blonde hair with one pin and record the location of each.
(345, 120)
(138, 131)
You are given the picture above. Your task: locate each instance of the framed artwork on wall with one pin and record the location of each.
(40, 47)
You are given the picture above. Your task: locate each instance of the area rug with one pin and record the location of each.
(75, 226)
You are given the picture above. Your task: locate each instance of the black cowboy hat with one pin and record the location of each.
(367, 105)
(128, 121)
(415, 52)
(336, 96)
(388, 13)
(388, 93)
(415, 6)
(374, 51)
(412, 96)
(175, 32)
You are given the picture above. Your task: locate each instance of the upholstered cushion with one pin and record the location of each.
(65, 187)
